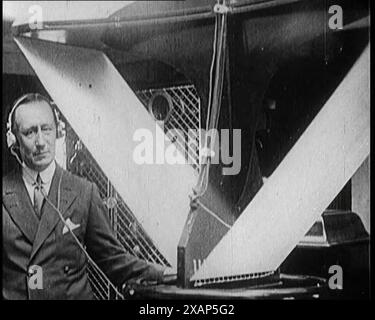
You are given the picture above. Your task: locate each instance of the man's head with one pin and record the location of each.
(34, 124)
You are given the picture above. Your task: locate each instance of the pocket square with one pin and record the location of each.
(71, 226)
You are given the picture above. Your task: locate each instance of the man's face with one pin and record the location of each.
(36, 134)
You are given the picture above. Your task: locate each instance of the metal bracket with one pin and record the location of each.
(222, 9)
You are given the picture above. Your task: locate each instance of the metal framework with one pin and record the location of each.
(185, 115)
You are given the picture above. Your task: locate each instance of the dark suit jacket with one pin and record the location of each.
(28, 241)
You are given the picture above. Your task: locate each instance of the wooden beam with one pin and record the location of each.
(296, 194)
(361, 193)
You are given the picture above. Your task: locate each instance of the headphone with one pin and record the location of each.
(60, 125)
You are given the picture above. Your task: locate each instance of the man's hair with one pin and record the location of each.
(28, 98)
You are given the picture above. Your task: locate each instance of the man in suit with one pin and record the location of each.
(34, 236)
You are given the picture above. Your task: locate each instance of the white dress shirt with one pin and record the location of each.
(29, 178)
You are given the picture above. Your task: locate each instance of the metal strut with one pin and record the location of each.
(217, 72)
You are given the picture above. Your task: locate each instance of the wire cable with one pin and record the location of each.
(214, 99)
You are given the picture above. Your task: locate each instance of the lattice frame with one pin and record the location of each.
(185, 115)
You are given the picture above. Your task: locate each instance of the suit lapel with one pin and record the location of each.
(17, 201)
(50, 218)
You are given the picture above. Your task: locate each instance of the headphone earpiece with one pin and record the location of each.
(11, 139)
(60, 129)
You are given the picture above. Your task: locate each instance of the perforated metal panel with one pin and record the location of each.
(184, 115)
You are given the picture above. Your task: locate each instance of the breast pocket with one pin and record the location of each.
(68, 246)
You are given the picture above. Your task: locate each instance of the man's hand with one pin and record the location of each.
(169, 276)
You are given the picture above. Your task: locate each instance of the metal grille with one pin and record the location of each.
(184, 116)
(226, 279)
(127, 229)
(100, 286)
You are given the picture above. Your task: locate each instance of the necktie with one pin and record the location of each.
(38, 196)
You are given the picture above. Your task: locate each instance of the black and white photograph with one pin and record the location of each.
(208, 151)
